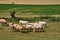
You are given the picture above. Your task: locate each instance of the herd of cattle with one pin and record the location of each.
(25, 26)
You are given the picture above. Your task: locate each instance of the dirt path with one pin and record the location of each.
(30, 1)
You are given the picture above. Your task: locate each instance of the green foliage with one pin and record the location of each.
(12, 13)
(55, 19)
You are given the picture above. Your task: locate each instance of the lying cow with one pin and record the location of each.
(3, 21)
(23, 22)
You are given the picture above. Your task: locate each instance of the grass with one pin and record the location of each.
(31, 11)
(35, 9)
(52, 33)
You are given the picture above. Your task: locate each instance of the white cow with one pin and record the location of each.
(39, 25)
(27, 26)
(43, 23)
(23, 22)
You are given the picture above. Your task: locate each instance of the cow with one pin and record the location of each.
(3, 21)
(28, 27)
(15, 27)
(41, 25)
(23, 22)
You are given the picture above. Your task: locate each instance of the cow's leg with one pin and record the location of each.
(34, 29)
(42, 29)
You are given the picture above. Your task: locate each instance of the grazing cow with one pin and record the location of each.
(10, 24)
(3, 21)
(40, 26)
(28, 27)
(43, 23)
(15, 27)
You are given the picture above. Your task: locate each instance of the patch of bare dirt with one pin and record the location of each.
(30, 1)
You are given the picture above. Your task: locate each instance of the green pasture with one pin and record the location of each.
(52, 33)
(31, 13)
(34, 9)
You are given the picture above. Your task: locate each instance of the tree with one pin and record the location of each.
(12, 13)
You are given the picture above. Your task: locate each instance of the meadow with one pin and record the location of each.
(52, 33)
(34, 9)
(31, 13)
